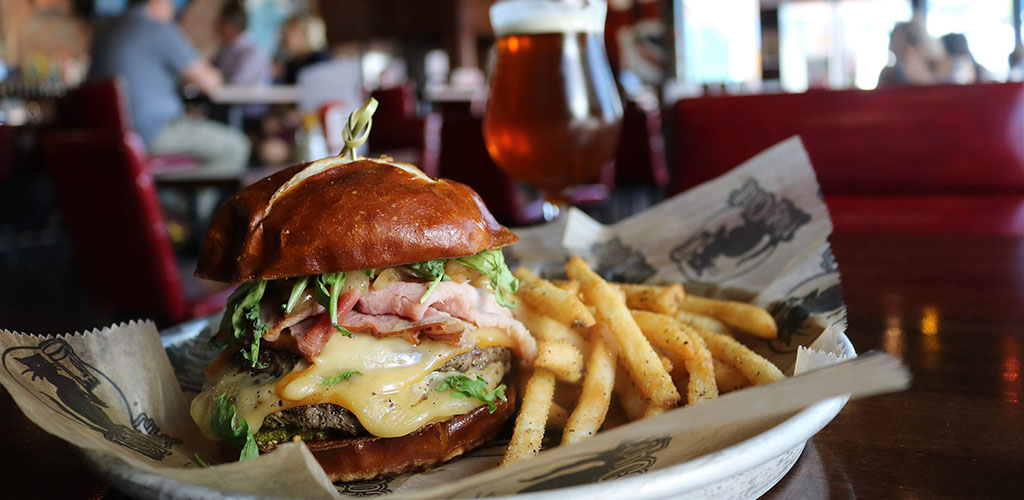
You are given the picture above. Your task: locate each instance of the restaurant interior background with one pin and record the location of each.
(706, 84)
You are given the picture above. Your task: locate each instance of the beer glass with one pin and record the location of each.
(553, 111)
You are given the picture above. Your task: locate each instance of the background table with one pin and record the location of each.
(952, 307)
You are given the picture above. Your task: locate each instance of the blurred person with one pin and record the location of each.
(152, 55)
(917, 58)
(1016, 62)
(962, 67)
(303, 43)
(240, 60)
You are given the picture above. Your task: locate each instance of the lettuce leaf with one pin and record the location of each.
(492, 263)
(341, 377)
(227, 426)
(329, 298)
(297, 289)
(465, 387)
(243, 321)
(431, 270)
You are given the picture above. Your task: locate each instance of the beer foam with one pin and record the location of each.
(524, 17)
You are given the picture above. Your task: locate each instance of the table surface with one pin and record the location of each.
(256, 94)
(949, 306)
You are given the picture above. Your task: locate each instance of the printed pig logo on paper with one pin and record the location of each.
(626, 459)
(818, 295)
(58, 377)
(739, 237)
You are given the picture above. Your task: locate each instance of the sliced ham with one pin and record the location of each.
(460, 300)
(303, 310)
(395, 311)
(310, 342)
(435, 326)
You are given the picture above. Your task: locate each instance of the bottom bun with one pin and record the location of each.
(366, 458)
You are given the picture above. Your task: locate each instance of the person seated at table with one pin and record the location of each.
(240, 60)
(963, 68)
(917, 57)
(152, 56)
(303, 43)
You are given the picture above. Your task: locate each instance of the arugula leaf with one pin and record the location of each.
(432, 270)
(199, 461)
(341, 377)
(242, 319)
(492, 263)
(228, 426)
(370, 272)
(329, 299)
(297, 289)
(465, 387)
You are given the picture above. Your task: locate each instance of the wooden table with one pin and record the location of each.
(952, 307)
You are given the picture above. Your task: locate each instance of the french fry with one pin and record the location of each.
(659, 299)
(561, 358)
(728, 378)
(567, 285)
(557, 416)
(533, 415)
(751, 364)
(665, 333)
(642, 362)
(666, 362)
(701, 321)
(744, 317)
(552, 301)
(651, 410)
(629, 397)
(586, 419)
(547, 329)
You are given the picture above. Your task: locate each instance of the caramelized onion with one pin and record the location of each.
(358, 281)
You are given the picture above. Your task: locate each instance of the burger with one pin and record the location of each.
(371, 320)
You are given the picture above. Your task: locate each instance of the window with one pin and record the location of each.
(987, 24)
(825, 44)
(721, 41)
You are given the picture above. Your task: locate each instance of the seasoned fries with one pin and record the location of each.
(557, 416)
(728, 378)
(744, 317)
(629, 397)
(532, 418)
(642, 344)
(569, 286)
(547, 329)
(561, 358)
(754, 367)
(701, 321)
(589, 414)
(659, 299)
(664, 332)
(552, 301)
(642, 362)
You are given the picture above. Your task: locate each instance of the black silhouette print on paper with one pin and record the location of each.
(626, 459)
(741, 236)
(819, 294)
(58, 377)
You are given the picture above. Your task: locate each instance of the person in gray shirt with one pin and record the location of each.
(148, 51)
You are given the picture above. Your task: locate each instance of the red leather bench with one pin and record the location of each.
(925, 159)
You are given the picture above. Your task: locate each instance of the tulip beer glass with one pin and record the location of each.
(553, 112)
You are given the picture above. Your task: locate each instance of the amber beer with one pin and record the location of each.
(553, 113)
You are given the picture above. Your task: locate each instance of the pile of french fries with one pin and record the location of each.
(652, 347)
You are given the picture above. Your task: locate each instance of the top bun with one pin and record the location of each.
(340, 215)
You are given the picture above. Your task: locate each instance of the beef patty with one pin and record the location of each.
(338, 420)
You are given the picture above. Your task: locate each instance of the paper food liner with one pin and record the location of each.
(756, 234)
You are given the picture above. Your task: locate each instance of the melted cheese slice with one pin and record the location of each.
(393, 397)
